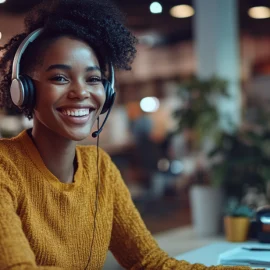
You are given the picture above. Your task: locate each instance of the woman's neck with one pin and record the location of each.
(57, 153)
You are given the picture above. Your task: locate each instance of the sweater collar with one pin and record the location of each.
(27, 143)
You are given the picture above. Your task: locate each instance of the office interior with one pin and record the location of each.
(193, 113)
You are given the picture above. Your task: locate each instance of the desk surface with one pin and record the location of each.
(208, 255)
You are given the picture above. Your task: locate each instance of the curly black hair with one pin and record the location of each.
(97, 22)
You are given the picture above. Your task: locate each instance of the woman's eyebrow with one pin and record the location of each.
(92, 68)
(59, 66)
(67, 67)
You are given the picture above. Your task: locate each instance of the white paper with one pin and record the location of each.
(241, 256)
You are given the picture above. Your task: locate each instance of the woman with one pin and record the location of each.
(63, 206)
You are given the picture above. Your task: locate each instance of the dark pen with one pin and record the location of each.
(256, 248)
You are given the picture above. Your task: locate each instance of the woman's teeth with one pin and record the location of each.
(75, 112)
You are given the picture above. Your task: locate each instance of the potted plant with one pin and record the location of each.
(200, 119)
(237, 221)
(199, 114)
(241, 166)
(240, 161)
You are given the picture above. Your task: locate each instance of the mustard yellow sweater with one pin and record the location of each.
(46, 224)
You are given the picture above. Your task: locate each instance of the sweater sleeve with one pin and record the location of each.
(131, 242)
(15, 250)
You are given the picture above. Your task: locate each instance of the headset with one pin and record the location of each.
(23, 92)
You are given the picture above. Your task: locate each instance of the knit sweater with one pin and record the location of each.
(47, 224)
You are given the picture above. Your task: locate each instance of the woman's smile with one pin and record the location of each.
(77, 116)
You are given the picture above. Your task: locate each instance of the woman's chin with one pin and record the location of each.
(79, 134)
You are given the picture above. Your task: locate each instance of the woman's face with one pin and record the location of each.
(69, 90)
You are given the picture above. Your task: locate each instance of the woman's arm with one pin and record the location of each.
(131, 242)
(15, 251)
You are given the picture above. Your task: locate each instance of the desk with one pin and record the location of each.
(209, 254)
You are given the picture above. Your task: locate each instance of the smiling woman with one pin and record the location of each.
(63, 206)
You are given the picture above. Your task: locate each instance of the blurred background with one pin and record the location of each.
(190, 127)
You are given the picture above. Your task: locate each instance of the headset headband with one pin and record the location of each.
(17, 58)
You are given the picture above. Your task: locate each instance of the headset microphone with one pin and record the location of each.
(96, 133)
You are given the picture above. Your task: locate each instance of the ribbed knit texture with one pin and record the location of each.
(46, 224)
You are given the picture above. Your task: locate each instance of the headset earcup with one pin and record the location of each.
(29, 91)
(24, 89)
(109, 96)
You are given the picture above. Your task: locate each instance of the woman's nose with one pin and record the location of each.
(79, 91)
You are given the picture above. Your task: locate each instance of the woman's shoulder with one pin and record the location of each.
(13, 153)
(9, 155)
(8, 147)
(14, 145)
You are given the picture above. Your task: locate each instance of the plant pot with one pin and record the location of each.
(206, 207)
(236, 228)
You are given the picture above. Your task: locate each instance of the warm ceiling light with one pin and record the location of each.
(156, 7)
(2, 1)
(0, 35)
(259, 12)
(182, 11)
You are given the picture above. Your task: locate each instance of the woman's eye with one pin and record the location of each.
(59, 78)
(94, 79)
